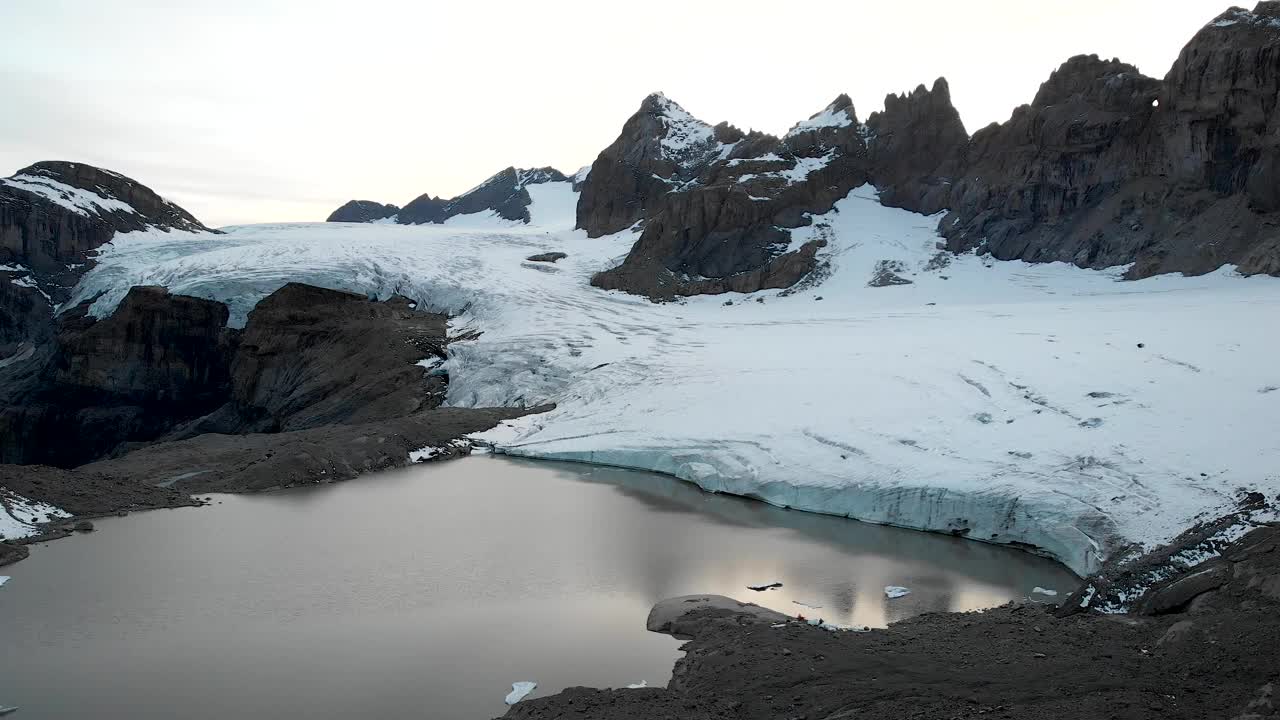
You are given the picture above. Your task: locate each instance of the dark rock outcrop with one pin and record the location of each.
(362, 211)
(310, 356)
(423, 209)
(1109, 167)
(547, 257)
(166, 367)
(1104, 167)
(25, 314)
(158, 359)
(720, 218)
(53, 215)
(631, 175)
(505, 194)
(914, 146)
(1031, 184)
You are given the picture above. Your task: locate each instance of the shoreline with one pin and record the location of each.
(1212, 654)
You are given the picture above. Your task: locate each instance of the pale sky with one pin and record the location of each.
(281, 110)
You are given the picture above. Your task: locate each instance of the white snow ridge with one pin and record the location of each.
(1001, 401)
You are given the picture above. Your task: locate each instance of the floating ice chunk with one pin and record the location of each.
(808, 605)
(1043, 591)
(8, 710)
(895, 591)
(762, 588)
(3, 579)
(519, 690)
(836, 627)
(778, 625)
(637, 686)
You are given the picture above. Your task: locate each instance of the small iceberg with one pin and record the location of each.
(3, 579)
(7, 710)
(895, 591)
(837, 627)
(519, 690)
(1042, 591)
(762, 588)
(637, 686)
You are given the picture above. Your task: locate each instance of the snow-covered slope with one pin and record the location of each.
(1038, 404)
(19, 515)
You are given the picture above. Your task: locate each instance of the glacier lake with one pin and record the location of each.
(426, 592)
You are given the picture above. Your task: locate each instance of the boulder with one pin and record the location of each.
(548, 257)
(1176, 595)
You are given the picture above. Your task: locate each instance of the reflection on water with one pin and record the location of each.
(426, 592)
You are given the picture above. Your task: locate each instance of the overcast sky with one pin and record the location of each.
(275, 110)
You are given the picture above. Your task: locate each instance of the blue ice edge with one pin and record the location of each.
(993, 518)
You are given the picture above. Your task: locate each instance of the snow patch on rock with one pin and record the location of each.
(77, 200)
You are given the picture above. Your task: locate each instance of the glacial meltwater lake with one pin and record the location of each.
(425, 592)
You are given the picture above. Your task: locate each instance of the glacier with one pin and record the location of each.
(1058, 409)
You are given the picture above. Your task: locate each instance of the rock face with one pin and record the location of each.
(362, 211)
(1105, 167)
(159, 358)
(1108, 167)
(309, 357)
(25, 312)
(52, 215)
(718, 204)
(915, 146)
(505, 194)
(167, 367)
(661, 145)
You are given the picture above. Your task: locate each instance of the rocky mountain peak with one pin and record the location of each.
(838, 114)
(362, 211)
(1218, 116)
(422, 209)
(1266, 13)
(661, 146)
(53, 215)
(1108, 84)
(537, 176)
(121, 202)
(504, 193)
(914, 147)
